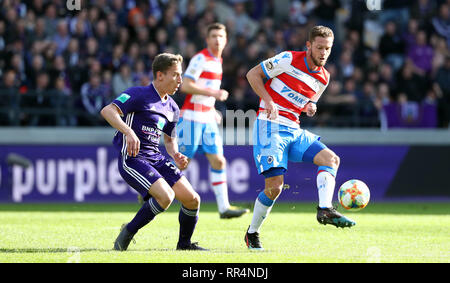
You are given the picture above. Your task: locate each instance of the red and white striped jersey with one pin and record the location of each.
(292, 84)
(206, 71)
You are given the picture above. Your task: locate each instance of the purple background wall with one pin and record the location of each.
(83, 173)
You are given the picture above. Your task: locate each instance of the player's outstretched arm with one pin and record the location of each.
(255, 78)
(189, 86)
(112, 114)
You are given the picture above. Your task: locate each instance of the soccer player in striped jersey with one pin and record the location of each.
(141, 116)
(295, 82)
(197, 129)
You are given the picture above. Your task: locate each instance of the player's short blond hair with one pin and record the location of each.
(164, 61)
(321, 31)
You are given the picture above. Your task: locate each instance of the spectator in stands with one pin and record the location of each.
(242, 20)
(93, 98)
(387, 76)
(367, 108)
(339, 103)
(170, 19)
(92, 48)
(43, 102)
(72, 54)
(65, 104)
(138, 14)
(391, 46)
(9, 98)
(421, 53)
(122, 80)
(105, 35)
(423, 11)
(410, 36)
(383, 96)
(51, 20)
(139, 72)
(441, 52)
(37, 66)
(346, 66)
(410, 83)
(103, 38)
(190, 19)
(441, 22)
(442, 90)
(62, 37)
(299, 11)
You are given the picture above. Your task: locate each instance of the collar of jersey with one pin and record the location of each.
(307, 67)
(215, 58)
(160, 95)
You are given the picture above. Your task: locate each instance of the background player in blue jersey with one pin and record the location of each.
(141, 115)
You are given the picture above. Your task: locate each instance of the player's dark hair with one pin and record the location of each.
(321, 31)
(164, 61)
(215, 26)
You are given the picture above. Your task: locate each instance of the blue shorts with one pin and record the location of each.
(140, 173)
(275, 144)
(198, 137)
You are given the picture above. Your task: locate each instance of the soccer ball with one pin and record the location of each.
(354, 195)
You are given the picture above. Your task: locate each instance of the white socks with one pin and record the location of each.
(219, 185)
(326, 182)
(263, 206)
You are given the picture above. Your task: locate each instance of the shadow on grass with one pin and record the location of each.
(420, 208)
(69, 251)
(51, 250)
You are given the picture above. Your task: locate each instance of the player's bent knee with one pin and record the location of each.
(218, 162)
(327, 158)
(196, 201)
(191, 202)
(334, 161)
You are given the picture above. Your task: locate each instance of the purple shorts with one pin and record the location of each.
(140, 172)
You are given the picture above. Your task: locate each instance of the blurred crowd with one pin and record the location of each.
(60, 66)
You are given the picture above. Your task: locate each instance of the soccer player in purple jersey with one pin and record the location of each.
(141, 115)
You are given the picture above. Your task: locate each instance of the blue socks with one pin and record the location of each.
(188, 219)
(148, 211)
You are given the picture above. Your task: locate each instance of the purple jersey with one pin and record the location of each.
(149, 116)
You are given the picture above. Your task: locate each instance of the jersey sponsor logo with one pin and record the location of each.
(292, 96)
(153, 135)
(301, 101)
(123, 97)
(161, 123)
(268, 65)
(149, 130)
(305, 78)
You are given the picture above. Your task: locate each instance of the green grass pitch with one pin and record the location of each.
(385, 232)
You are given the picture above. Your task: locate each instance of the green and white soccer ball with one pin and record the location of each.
(354, 195)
